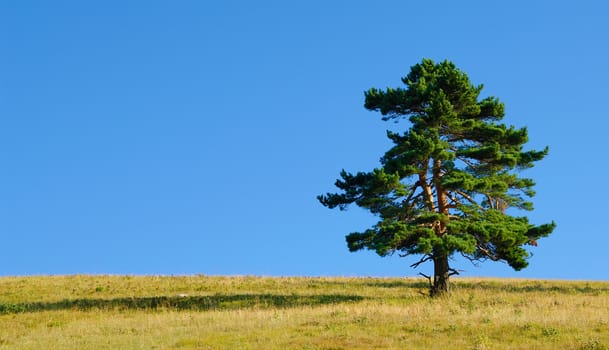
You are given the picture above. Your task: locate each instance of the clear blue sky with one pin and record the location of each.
(183, 137)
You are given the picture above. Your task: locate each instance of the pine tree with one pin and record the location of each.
(446, 185)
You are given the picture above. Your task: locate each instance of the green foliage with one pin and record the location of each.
(593, 344)
(446, 184)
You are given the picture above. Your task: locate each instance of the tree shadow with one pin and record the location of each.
(194, 303)
(561, 288)
(412, 284)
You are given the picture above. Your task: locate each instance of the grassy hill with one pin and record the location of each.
(201, 312)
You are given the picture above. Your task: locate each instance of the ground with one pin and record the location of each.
(205, 312)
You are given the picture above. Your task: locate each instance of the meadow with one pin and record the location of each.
(214, 312)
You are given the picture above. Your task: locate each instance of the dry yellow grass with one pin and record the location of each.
(201, 312)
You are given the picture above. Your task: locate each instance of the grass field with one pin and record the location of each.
(201, 312)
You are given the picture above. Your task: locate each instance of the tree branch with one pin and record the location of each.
(428, 278)
(466, 161)
(454, 200)
(412, 192)
(474, 261)
(430, 283)
(469, 199)
(487, 253)
(453, 271)
(427, 187)
(423, 259)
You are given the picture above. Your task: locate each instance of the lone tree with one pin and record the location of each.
(446, 184)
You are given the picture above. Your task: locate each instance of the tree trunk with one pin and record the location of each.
(441, 284)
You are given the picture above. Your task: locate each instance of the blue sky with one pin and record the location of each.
(183, 137)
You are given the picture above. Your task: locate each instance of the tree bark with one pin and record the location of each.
(440, 259)
(427, 190)
(437, 177)
(441, 284)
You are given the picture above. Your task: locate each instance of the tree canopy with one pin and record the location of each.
(447, 183)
